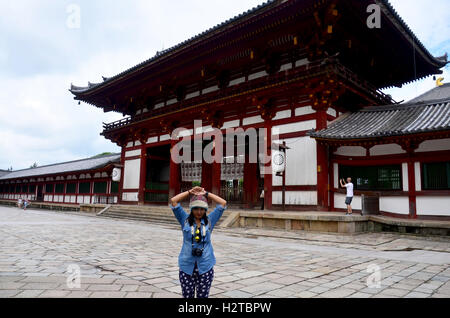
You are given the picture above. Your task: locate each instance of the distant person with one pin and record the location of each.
(262, 197)
(19, 203)
(349, 196)
(26, 203)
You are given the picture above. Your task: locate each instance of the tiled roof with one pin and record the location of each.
(436, 93)
(404, 28)
(4, 172)
(77, 89)
(72, 166)
(392, 120)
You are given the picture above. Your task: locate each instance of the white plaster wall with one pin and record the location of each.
(132, 170)
(294, 127)
(257, 75)
(301, 62)
(339, 201)
(133, 153)
(164, 137)
(171, 101)
(301, 162)
(435, 205)
(295, 197)
(252, 120)
(335, 175)
(186, 132)
(405, 176)
(418, 176)
(193, 94)
(398, 205)
(390, 149)
(351, 151)
(283, 114)
(203, 129)
(231, 124)
(434, 145)
(152, 140)
(285, 67)
(130, 197)
(237, 81)
(306, 110)
(331, 111)
(210, 89)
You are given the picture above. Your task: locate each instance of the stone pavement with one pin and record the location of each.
(41, 251)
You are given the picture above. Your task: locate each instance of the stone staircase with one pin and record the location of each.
(152, 214)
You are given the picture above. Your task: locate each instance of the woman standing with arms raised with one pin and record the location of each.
(196, 259)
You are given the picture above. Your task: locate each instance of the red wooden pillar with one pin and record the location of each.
(175, 174)
(250, 183)
(207, 172)
(122, 162)
(216, 175)
(143, 174)
(322, 164)
(331, 183)
(410, 146)
(412, 189)
(268, 166)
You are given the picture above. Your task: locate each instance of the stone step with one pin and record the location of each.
(150, 220)
(140, 212)
(163, 215)
(142, 217)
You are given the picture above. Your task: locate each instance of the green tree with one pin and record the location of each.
(103, 154)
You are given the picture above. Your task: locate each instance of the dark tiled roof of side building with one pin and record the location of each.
(391, 120)
(436, 93)
(71, 166)
(4, 172)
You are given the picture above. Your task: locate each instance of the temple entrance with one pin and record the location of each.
(157, 175)
(235, 178)
(40, 194)
(232, 180)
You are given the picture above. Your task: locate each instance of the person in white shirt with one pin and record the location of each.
(349, 198)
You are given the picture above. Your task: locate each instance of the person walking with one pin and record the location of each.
(196, 260)
(26, 203)
(349, 196)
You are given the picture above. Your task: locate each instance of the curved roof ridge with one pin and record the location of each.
(72, 161)
(159, 54)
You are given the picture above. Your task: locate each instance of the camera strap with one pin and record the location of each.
(203, 235)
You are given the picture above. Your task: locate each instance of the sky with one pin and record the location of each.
(46, 45)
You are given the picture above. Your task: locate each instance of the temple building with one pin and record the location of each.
(306, 70)
(399, 154)
(86, 181)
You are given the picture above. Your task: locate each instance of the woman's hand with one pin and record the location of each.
(197, 191)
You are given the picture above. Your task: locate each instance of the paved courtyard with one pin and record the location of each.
(41, 253)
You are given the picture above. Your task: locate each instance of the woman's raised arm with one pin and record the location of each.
(217, 199)
(179, 197)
